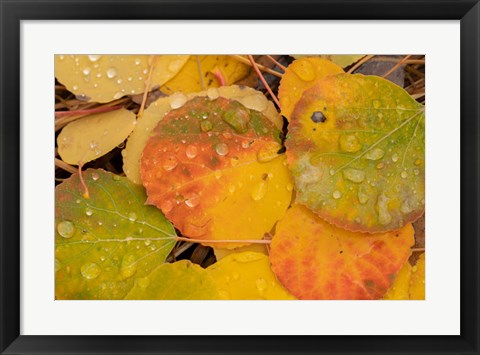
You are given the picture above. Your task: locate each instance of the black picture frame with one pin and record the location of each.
(12, 12)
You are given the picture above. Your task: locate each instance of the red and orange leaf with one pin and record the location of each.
(300, 75)
(356, 150)
(213, 168)
(316, 260)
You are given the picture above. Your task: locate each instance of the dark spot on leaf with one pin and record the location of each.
(318, 117)
(264, 176)
(369, 283)
(341, 252)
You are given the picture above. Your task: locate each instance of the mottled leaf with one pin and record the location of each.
(215, 70)
(247, 276)
(356, 149)
(103, 243)
(401, 286)
(410, 282)
(212, 167)
(249, 97)
(181, 280)
(104, 78)
(93, 136)
(300, 75)
(316, 260)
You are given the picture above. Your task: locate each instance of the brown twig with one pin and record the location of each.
(396, 66)
(148, 84)
(261, 67)
(59, 114)
(277, 62)
(254, 65)
(67, 167)
(360, 63)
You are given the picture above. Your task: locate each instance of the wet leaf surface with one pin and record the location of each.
(181, 280)
(417, 280)
(356, 149)
(102, 244)
(104, 78)
(247, 276)
(300, 75)
(93, 136)
(316, 260)
(248, 97)
(212, 167)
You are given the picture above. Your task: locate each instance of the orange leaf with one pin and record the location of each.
(316, 260)
(213, 168)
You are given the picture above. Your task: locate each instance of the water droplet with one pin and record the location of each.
(61, 57)
(304, 70)
(170, 163)
(349, 143)
(118, 95)
(380, 166)
(231, 189)
(178, 101)
(261, 285)
(115, 177)
(75, 87)
(143, 282)
(147, 242)
(376, 103)
(166, 206)
(416, 171)
(245, 144)
(191, 151)
(384, 216)
(192, 199)
(78, 200)
(137, 61)
(395, 157)
(289, 187)
(95, 176)
(111, 73)
(354, 175)
(362, 197)
(129, 266)
(93, 145)
(86, 71)
(404, 175)
(259, 190)
(206, 126)
(90, 271)
(132, 216)
(94, 58)
(66, 229)
(375, 154)
(89, 212)
(119, 81)
(221, 149)
(336, 194)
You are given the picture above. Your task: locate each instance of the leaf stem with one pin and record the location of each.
(250, 241)
(254, 65)
(86, 194)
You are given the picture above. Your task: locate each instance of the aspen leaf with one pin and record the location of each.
(103, 243)
(104, 78)
(247, 276)
(417, 280)
(213, 168)
(93, 136)
(132, 153)
(300, 75)
(188, 80)
(316, 260)
(356, 150)
(181, 280)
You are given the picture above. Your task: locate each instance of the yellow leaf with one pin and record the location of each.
(401, 285)
(300, 75)
(220, 253)
(188, 80)
(93, 136)
(132, 154)
(417, 280)
(104, 78)
(247, 276)
(343, 60)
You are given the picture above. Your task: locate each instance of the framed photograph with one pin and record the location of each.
(236, 177)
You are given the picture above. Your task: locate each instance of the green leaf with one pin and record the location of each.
(356, 148)
(181, 280)
(103, 243)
